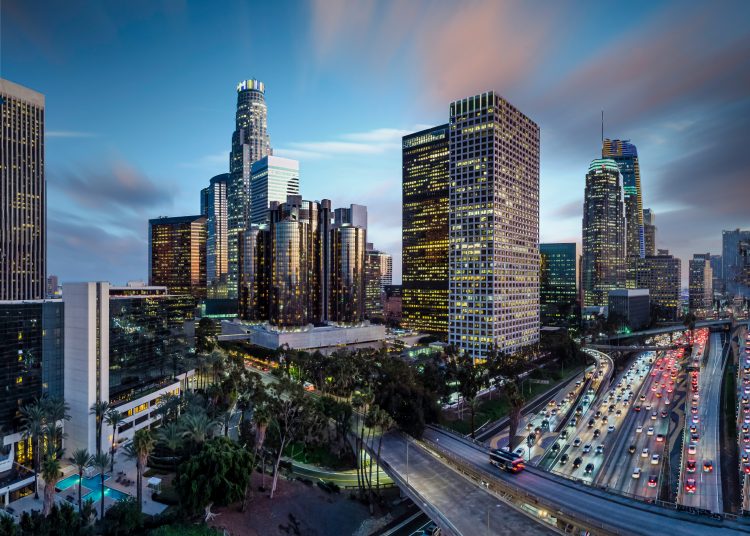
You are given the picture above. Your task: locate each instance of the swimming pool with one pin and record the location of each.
(94, 484)
(108, 492)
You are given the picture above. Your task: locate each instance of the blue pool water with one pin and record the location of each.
(94, 484)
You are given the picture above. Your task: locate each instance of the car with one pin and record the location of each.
(658, 394)
(650, 430)
(631, 449)
(695, 419)
(664, 413)
(597, 433)
(638, 429)
(694, 437)
(564, 434)
(577, 462)
(589, 469)
(307, 386)
(654, 415)
(637, 472)
(746, 468)
(600, 449)
(659, 438)
(745, 428)
(693, 429)
(690, 485)
(577, 442)
(708, 466)
(519, 451)
(587, 448)
(652, 481)
(564, 459)
(644, 452)
(642, 397)
(611, 428)
(694, 410)
(654, 459)
(745, 457)
(555, 447)
(691, 448)
(690, 466)
(618, 413)
(597, 414)
(648, 407)
(591, 423)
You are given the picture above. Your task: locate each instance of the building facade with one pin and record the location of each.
(625, 154)
(272, 179)
(493, 226)
(177, 254)
(631, 306)
(378, 273)
(557, 284)
(700, 297)
(214, 208)
(716, 271)
(661, 275)
(733, 262)
(23, 216)
(425, 205)
(649, 232)
(250, 143)
(347, 282)
(603, 267)
(393, 304)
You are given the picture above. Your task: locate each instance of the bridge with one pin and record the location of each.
(636, 348)
(450, 478)
(672, 328)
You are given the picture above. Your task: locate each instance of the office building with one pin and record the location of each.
(393, 304)
(53, 286)
(649, 232)
(124, 345)
(272, 179)
(250, 143)
(733, 263)
(493, 226)
(557, 284)
(177, 254)
(661, 275)
(625, 154)
(630, 306)
(717, 282)
(604, 233)
(347, 258)
(214, 208)
(425, 205)
(378, 273)
(23, 216)
(700, 284)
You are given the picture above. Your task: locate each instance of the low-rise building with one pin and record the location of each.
(631, 305)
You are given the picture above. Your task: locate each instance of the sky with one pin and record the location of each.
(140, 101)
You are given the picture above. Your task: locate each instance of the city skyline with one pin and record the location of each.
(105, 182)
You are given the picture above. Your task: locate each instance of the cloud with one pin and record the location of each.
(572, 209)
(69, 134)
(219, 158)
(371, 142)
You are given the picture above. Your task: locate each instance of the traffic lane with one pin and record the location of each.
(711, 495)
(629, 517)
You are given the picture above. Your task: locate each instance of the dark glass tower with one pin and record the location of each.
(425, 184)
(214, 208)
(250, 143)
(557, 284)
(177, 254)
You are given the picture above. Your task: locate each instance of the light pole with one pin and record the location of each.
(488, 519)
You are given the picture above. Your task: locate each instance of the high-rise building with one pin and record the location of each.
(604, 233)
(493, 226)
(347, 262)
(425, 205)
(177, 254)
(700, 284)
(23, 216)
(716, 273)
(557, 283)
(661, 275)
(214, 208)
(250, 143)
(272, 179)
(53, 286)
(649, 232)
(378, 273)
(625, 154)
(732, 260)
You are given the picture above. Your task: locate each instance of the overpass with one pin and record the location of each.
(451, 479)
(636, 348)
(670, 329)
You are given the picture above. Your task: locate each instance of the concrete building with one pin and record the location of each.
(123, 345)
(272, 179)
(661, 275)
(649, 232)
(425, 186)
(23, 216)
(557, 284)
(393, 304)
(493, 226)
(378, 273)
(716, 271)
(632, 306)
(177, 254)
(214, 208)
(700, 287)
(734, 259)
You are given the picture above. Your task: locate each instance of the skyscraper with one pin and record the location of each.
(177, 254)
(604, 235)
(214, 208)
(716, 271)
(272, 179)
(493, 226)
(732, 261)
(250, 143)
(700, 284)
(661, 275)
(649, 233)
(626, 155)
(347, 280)
(425, 205)
(23, 216)
(557, 283)
(378, 274)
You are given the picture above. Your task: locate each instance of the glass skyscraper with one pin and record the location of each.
(700, 284)
(603, 265)
(557, 283)
(425, 205)
(661, 275)
(177, 254)
(272, 179)
(626, 155)
(250, 143)
(493, 226)
(214, 208)
(734, 262)
(23, 216)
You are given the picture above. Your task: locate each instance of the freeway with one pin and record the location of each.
(743, 415)
(700, 485)
(670, 329)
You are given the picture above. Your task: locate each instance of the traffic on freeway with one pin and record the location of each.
(743, 416)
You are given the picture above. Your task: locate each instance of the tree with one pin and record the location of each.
(82, 459)
(61, 521)
(515, 403)
(218, 474)
(470, 380)
(101, 462)
(204, 336)
(171, 436)
(51, 474)
(197, 427)
(55, 410)
(32, 423)
(139, 449)
(124, 517)
(99, 410)
(113, 418)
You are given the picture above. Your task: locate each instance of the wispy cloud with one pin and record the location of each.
(219, 158)
(69, 134)
(371, 142)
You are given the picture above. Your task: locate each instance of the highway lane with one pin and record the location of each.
(617, 513)
(743, 415)
(707, 483)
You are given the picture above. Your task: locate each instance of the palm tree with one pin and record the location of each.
(32, 422)
(101, 461)
(81, 459)
(51, 474)
(99, 409)
(139, 449)
(113, 418)
(170, 435)
(197, 426)
(56, 411)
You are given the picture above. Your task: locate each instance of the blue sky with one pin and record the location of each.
(140, 105)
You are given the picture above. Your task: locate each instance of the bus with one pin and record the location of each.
(504, 459)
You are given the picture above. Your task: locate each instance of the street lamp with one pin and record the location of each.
(488, 518)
